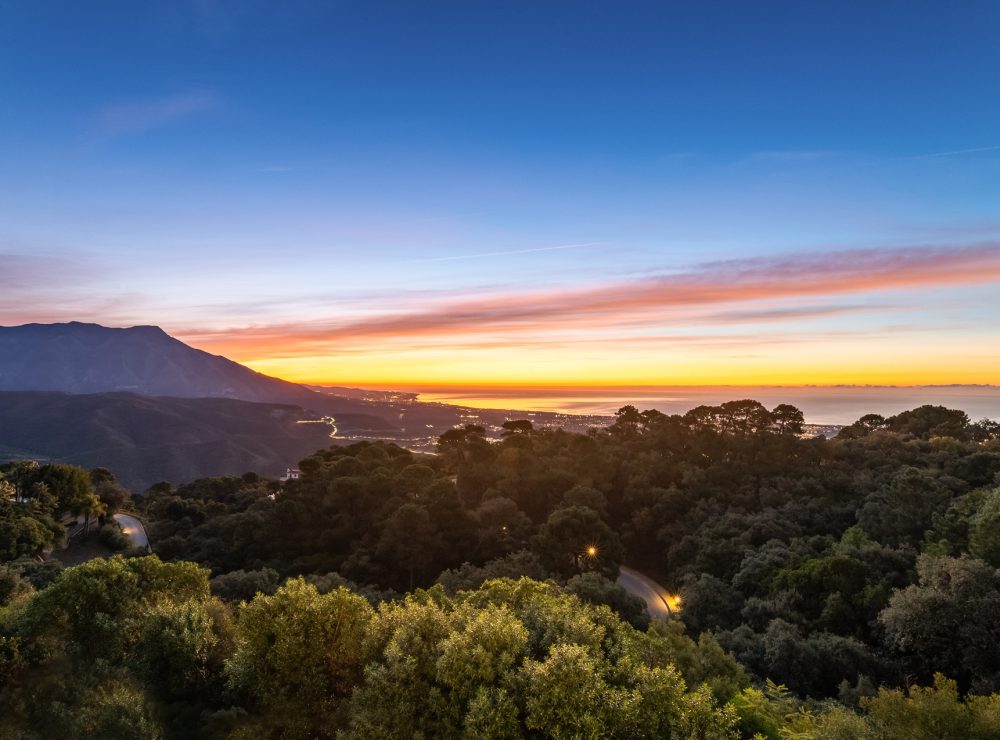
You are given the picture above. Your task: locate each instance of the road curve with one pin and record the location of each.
(658, 600)
(133, 529)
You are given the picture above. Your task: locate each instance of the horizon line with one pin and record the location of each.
(409, 387)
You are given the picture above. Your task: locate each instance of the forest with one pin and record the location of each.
(829, 588)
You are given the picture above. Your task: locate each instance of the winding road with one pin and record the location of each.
(659, 603)
(133, 529)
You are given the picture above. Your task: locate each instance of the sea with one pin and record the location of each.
(834, 405)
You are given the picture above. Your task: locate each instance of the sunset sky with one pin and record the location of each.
(433, 194)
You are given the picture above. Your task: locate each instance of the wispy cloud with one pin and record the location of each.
(133, 117)
(792, 155)
(701, 295)
(789, 313)
(36, 272)
(956, 152)
(506, 253)
(51, 287)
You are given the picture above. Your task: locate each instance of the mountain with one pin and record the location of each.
(145, 439)
(89, 358)
(150, 407)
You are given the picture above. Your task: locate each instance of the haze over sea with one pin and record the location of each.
(820, 404)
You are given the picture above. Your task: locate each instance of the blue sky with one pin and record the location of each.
(230, 169)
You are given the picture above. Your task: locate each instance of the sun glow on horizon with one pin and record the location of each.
(901, 364)
(543, 217)
(900, 316)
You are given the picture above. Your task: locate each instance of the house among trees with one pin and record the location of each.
(291, 474)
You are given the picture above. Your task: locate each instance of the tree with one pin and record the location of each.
(575, 539)
(709, 603)
(628, 423)
(522, 563)
(182, 647)
(517, 426)
(933, 713)
(72, 488)
(482, 652)
(502, 527)
(744, 418)
(566, 697)
(947, 621)
(903, 510)
(984, 534)
(863, 427)
(596, 589)
(931, 421)
(410, 539)
(787, 419)
(242, 585)
(587, 496)
(298, 653)
(95, 607)
(112, 496)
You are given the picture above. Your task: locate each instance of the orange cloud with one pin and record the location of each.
(732, 290)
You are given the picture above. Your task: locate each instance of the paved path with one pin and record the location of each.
(134, 530)
(659, 603)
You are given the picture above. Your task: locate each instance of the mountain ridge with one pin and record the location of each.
(148, 406)
(78, 357)
(146, 439)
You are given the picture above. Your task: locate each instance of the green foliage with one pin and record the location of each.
(596, 589)
(763, 712)
(566, 696)
(931, 421)
(517, 564)
(984, 534)
(902, 511)
(105, 704)
(112, 537)
(520, 657)
(98, 651)
(510, 659)
(576, 539)
(948, 620)
(243, 585)
(13, 586)
(933, 713)
(181, 648)
(96, 608)
(798, 557)
(774, 541)
(298, 652)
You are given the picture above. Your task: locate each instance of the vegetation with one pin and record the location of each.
(831, 588)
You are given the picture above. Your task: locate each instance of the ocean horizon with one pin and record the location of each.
(819, 404)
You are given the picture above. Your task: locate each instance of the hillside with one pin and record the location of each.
(150, 407)
(89, 358)
(145, 439)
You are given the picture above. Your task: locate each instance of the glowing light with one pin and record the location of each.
(673, 601)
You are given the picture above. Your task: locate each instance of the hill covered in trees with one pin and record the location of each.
(149, 407)
(821, 579)
(146, 439)
(137, 648)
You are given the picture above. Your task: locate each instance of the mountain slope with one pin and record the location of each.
(89, 358)
(145, 439)
(150, 407)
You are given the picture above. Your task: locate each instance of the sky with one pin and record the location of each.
(471, 193)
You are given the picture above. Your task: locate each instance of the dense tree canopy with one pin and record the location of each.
(819, 579)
